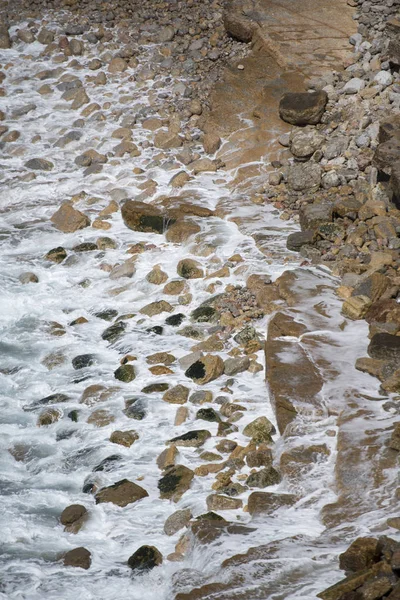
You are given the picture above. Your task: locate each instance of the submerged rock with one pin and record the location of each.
(194, 438)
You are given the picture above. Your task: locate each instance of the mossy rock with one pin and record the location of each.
(125, 373)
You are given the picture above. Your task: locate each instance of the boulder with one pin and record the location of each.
(303, 143)
(167, 458)
(78, 557)
(211, 142)
(195, 438)
(140, 216)
(175, 482)
(145, 559)
(122, 493)
(268, 502)
(356, 307)
(67, 219)
(176, 395)
(303, 108)
(177, 521)
(385, 346)
(206, 369)
(237, 24)
(361, 554)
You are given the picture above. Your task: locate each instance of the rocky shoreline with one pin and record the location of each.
(337, 174)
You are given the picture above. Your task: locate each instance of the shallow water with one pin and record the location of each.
(59, 458)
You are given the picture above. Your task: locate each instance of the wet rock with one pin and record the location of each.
(100, 418)
(89, 158)
(175, 482)
(204, 314)
(78, 557)
(161, 357)
(303, 108)
(155, 388)
(167, 458)
(356, 307)
(107, 315)
(201, 397)
(268, 502)
(73, 517)
(28, 277)
(122, 493)
(174, 288)
(175, 320)
(144, 217)
(96, 393)
(155, 308)
(56, 255)
(357, 580)
(193, 439)
(176, 395)
(206, 369)
(67, 219)
(208, 414)
(211, 142)
(83, 360)
(178, 520)
(136, 408)
(39, 164)
(260, 430)
(361, 554)
(48, 417)
(246, 335)
(219, 502)
(181, 231)
(125, 373)
(108, 464)
(165, 140)
(262, 457)
(233, 366)
(157, 276)
(385, 346)
(145, 559)
(124, 438)
(226, 446)
(189, 269)
(127, 269)
(263, 478)
(114, 332)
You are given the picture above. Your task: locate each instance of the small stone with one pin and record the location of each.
(122, 493)
(67, 219)
(260, 430)
(190, 269)
(263, 478)
(219, 502)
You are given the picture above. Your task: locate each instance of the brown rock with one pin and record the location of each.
(175, 482)
(117, 65)
(155, 308)
(67, 219)
(361, 554)
(176, 395)
(174, 288)
(206, 369)
(177, 521)
(78, 557)
(211, 143)
(100, 418)
(122, 493)
(144, 217)
(268, 502)
(157, 276)
(124, 438)
(48, 417)
(73, 517)
(219, 502)
(180, 231)
(303, 108)
(167, 458)
(189, 269)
